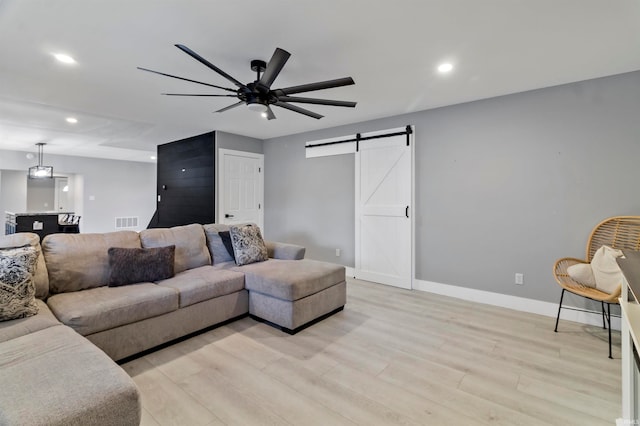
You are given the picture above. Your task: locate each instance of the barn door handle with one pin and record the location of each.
(227, 215)
(406, 212)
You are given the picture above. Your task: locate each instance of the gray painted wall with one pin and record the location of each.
(226, 140)
(41, 195)
(13, 192)
(119, 188)
(503, 185)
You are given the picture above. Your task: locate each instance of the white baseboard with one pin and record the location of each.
(507, 301)
(514, 302)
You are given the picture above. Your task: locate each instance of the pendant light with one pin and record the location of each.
(40, 171)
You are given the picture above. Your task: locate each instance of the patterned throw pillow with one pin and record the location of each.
(139, 265)
(248, 245)
(17, 288)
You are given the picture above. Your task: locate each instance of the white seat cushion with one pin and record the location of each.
(582, 273)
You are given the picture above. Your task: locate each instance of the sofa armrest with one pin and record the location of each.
(284, 251)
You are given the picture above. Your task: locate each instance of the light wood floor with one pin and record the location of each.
(391, 357)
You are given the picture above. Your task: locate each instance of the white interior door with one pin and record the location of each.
(384, 193)
(240, 197)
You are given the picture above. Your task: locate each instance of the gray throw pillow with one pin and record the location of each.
(17, 288)
(218, 251)
(138, 265)
(248, 245)
(226, 240)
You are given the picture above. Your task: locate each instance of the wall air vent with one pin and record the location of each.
(126, 223)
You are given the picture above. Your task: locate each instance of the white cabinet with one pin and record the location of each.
(630, 334)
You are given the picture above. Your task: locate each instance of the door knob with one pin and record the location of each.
(227, 215)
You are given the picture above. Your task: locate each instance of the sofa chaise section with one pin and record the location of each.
(55, 377)
(286, 290)
(294, 294)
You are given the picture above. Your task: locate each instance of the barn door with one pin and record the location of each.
(384, 193)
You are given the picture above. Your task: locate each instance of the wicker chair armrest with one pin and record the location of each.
(560, 270)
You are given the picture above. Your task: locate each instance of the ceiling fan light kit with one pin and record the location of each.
(258, 95)
(257, 107)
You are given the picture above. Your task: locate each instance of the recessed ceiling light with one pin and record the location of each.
(153, 157)
(445, 67)
(263, 114)
(72, 120)
(65, 59)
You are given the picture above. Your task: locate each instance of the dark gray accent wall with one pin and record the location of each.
(503, 185)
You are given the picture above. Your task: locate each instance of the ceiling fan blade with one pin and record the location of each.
(230, 107)
(186, 79)
(317, 101)
(270, 114)
(298, 109)
(339, 82)
(198, 94)
(275, 65)
(202, 60)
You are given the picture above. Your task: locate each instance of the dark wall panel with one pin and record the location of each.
(186, 182)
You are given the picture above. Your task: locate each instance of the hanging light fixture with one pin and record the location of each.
(40, 171)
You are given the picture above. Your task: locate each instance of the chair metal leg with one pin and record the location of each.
(559, 308)
(609, 321)
(603, 324)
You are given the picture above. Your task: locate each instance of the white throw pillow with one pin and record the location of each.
(606, 270)
(582, 273)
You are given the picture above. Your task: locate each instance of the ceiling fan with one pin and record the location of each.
(258, 95)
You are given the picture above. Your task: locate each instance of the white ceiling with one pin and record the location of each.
(390, 48)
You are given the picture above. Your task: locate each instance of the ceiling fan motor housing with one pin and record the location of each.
(256, 97)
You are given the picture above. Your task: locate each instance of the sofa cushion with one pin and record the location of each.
(80, 261)
(56, 377)
(136, 265)
(291, 279)
(19, 327)
(190, 242)
(17, 289)
(216, 246)
(248, 245)
(41, 277)
(102, 308)
(204, 283)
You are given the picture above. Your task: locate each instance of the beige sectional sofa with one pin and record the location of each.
(50, 375)
(112, 323)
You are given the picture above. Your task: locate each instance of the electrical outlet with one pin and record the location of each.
(520, 279)
(337, 252)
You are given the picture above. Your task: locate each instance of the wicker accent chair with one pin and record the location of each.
(619, 232)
